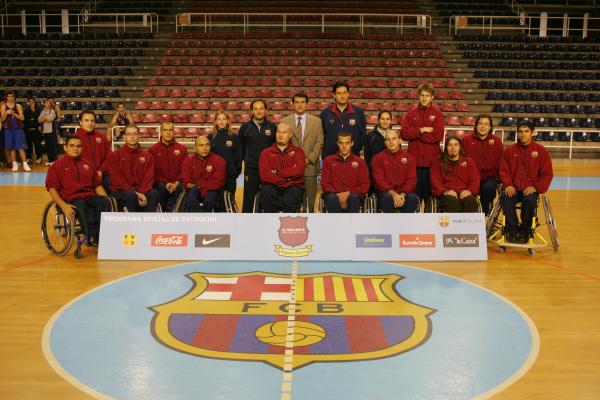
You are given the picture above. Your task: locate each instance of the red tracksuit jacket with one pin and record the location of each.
(282, 168)
(424, 147)
(486, 153)
(460, 176)
(339, 175)
(168, 161)
(207, 173)
(394, 171)
(73, 178)
(130, 169)
(524, 166)
(96, 146)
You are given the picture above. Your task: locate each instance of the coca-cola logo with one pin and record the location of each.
(169, 240)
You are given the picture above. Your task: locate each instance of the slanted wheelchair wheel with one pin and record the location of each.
(550, 223)
(491, 223)
(58, 231)
(179, 203)
(229, 201)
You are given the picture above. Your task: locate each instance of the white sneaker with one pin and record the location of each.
(48, 164)
(26, 167)
(15, 166)
(38, 161)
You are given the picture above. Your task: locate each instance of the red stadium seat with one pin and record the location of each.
(468, 121)
(181, 119)
(137, 118)
(233, 106)
(448, 107)
(141, 105)
(217, 105)
(192, 133)
(150, 118)
(453, 121)
(198, 118)
(157, 105)
(201, 105)
(186, 105)
(190, 92)
(161, 92)
(176, 93)
(171, 105)
(372, 120)
(462, 106)
(148, 92)
(165, 118)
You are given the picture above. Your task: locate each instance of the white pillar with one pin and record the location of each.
(543, 24)
(64, 16)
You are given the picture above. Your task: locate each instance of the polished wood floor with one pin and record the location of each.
(559, 291)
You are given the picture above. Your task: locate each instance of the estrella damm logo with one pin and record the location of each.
(129, 240)
(337, 317)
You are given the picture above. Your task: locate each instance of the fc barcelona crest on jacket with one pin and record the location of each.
(337, 318)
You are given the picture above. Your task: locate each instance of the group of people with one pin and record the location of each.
(282, 163)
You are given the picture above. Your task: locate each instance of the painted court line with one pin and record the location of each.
(288, 360)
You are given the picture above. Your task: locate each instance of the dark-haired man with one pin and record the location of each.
(525, 172)
(255, 136)
(342, 116)
(75, 186)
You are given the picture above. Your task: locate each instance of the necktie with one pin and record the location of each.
(299, 126)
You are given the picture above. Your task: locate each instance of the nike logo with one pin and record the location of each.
(207, 242)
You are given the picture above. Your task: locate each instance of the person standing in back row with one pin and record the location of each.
(423, 128)
(255, 136)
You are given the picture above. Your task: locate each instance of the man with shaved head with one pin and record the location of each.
(281, 168)
(204, 176)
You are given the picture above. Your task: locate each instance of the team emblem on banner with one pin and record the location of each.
(338, 317)
(293, 231)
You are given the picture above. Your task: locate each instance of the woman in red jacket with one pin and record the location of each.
(455, 179)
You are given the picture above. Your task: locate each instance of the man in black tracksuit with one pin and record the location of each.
(255, 136)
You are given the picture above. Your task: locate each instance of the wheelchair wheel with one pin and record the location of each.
(491, 223)
(179, 202)
(256, 205)
(431, 204)
(550, 223)
(58, 231)
(229, 201)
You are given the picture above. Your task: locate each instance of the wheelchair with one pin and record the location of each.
(496, 229)
(60, 232)
(432, 205)
(226, 202)
(368, 204)
(372, 204)
(257, 208)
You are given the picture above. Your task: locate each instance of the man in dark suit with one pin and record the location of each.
(307, 133)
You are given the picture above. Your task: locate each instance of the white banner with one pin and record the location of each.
(221, 236)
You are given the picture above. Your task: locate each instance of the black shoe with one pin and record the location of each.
(93, 241)
(523, 236)
(511, 234)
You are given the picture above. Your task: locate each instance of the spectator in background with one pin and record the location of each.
(46, 119)
(168, 162)
(12, 117)
(122, 117)
(423, 128)
(33, 136)
(342, 116)
(486, 150)
(255, 136)
(307, 133)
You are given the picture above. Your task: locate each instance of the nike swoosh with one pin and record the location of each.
(207, 242)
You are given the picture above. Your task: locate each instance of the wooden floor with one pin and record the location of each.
(559, 291)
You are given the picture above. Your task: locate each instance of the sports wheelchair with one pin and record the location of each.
(496, 230)
(257, 208)
(432, 205)
(368, 205)
(226, 202)
(59, 232)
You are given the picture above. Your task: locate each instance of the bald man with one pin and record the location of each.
(281, 169)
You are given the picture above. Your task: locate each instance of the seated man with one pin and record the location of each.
(395, 177)
(204, 175)
(131, 172)
(74, 184)
(344, 178)
(525, 172)
(455, 179)
(281, 169)
(168, 161)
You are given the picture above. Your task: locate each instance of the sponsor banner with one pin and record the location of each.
(221, 236)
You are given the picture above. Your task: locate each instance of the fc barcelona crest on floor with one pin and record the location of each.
(338, 317)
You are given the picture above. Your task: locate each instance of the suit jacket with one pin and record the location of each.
(313, 141)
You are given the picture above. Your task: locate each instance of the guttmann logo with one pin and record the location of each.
(461, 240)
(373, 240)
